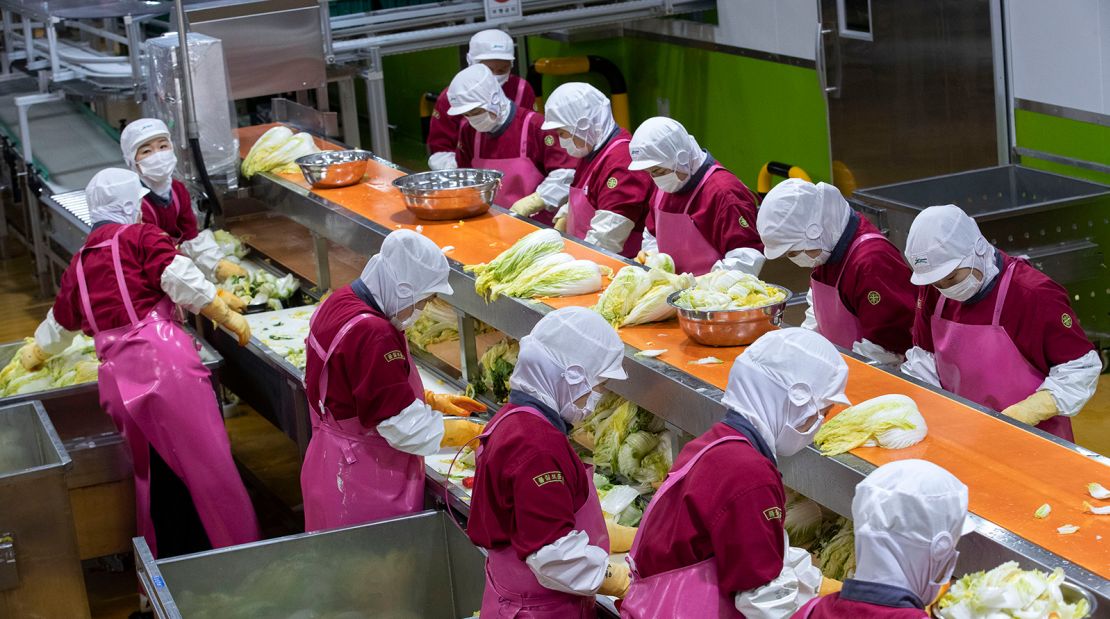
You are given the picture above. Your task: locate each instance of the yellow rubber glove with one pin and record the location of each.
(642, 257)
(459, 432)
(32, 356)
(617, 579)
(457, 405)
(234, 302)
(1034, 409)
(561, 223)
(620, 536)
(226, 269)
(528, 205)
(218, 312)
(829, 586)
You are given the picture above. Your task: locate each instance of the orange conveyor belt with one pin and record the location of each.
(1010, 472)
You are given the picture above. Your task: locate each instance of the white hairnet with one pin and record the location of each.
(784, 378)
(138, 133)
(568, 353)
(580, 109)
(408, 269)
(664, 142)
(943, 239)
(490, 44)
(797, 215)
(908, 516)
(115, 195)
(476, 87)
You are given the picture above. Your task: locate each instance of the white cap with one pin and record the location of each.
(475, 87)
(490, 44)
(580, 109)
(784, 378)
(797, 215)
(138, 133)
(568, 353)
(115, 195)
(408, 269)
(943, 239)
(664, 142)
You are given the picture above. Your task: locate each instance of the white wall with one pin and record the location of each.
(786, 27)
(1060, 52)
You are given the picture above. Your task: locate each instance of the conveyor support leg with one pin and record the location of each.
(348, 112)
(376, 106)
(468, 347)
(323, 268)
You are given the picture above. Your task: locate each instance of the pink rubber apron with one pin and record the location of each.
(582, 211)
(159, 394)
(512, 589)
(982, 363)
(519, 96)
(521, 175)
(351, 475)
(834, 320)
(689, 591)
(679, 237)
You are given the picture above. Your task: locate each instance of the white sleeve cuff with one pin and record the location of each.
(555, 189)
(416, 430)
(51, 337)
(811, 317)
(649, 245)
(922, 365)
(442, 161)
(797, 584)
(742, 260)
(1073, 383)
(876, 353)
(609, 230)
(186, 285)
(204, 252)
(570, 564)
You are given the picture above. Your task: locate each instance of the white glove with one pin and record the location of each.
(922, 365)
(796, 584)
(1071, 384)
(811, 318)
(649, 245)
(186, 285)
(876, 353)
(609, 230)
(416, 430)
(204, 252)
(555, 188)
(52, 337)
(743, 260)
(442, 161)
(570, 564)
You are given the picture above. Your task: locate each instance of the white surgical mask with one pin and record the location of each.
(501, 78)
(484, 122)
(403, 325)
(574, 414)
(963, 290)
(668, 183)
(792, 440)
(932, 590)
(158, 168)
(573, 149)
(807, 261)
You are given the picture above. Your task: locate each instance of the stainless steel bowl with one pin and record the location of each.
(1071, 594)
(334, 168)
(449, 194)
(729, 327)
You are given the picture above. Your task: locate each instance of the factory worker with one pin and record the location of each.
(503, 136)
(908, 517)
(535, 508)
(121, 288)
(494, 49)
(712, 542)
(373, 420)
(701, 213)
(608, 201)
(860, 295)
(148, 151)
(993, 329)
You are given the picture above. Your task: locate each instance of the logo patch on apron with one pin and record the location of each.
(773, 513)
(394, 355)
(553, 477)
(435, 114)
(1066, 319)
(549, 140)
(744, 222)
(611, 183)
(874, 297)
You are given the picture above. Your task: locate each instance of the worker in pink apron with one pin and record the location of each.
(993, 329)
(701, 214)
(534, 507)
(608, 203)
(502, 136)
(374, 420)
(121, 288)
(908, 518)
(149, 152)
(860, 295)
(712, 542)
(494, 49)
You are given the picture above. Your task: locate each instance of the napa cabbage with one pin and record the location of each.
(1009, 591)
(276, 151)
(509, 263)
(889, 421)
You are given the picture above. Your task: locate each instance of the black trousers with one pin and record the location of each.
(177, 525)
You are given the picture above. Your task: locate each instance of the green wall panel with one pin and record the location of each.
(407, 78)
(1065, 137)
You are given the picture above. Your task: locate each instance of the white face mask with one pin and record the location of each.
(501, 77)
(963, 290)
(792, 440)
(932, 590)
(573, 149)
(574, 415)
(484, 122)
(668, 183)
(158, 167)
(807, 261)
(403, 325)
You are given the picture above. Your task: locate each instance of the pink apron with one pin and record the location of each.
(689, 591)
(351, 475)
(512, 589)
(834, 320)
(521, 175)
(981, 362)
(582, 211)
(680, 238)
(806, 610)
(159, 394)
